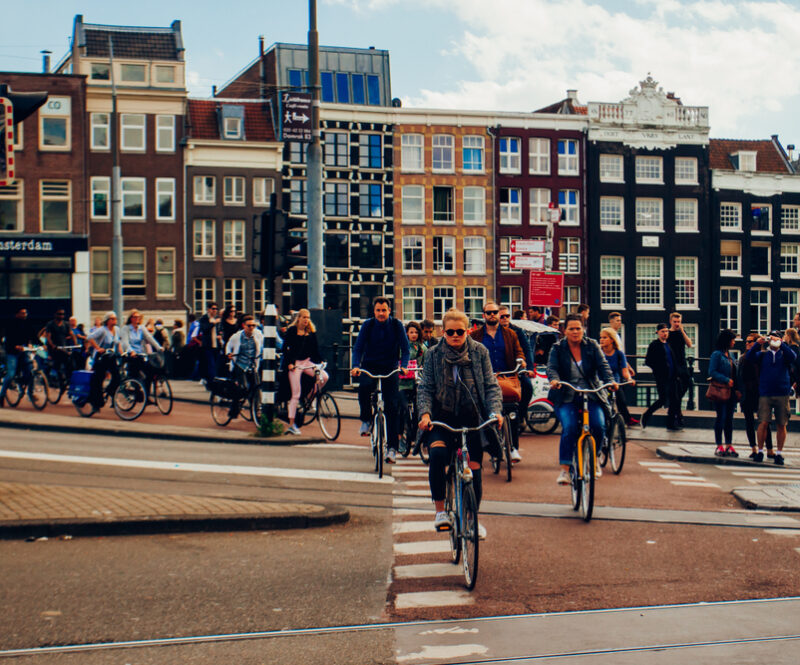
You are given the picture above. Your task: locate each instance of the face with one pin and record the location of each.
(249, 327)
(555, 324)
(750, 341)
(427, 333)
(212, 311)
(505, 317)
(98, 321)
(413, 335)
(59, 316)
(455, 332)
(303, 321)
(22, 314)
(616, 322)
(112, 321)
(663, 334)
(605, 341)
(73, 322)
(796, 320)
(675, 321)
(491, 315)
(136, 319)
(381, 312)
(574, 331)
(774, 342)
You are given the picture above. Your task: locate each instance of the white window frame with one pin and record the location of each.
(477, 143)
(572, 298)
(233, 190)
(762, 278)
(509, 149)
(790, 218)
(730, 310)
(412, 153)
(788, 307)
(126, 66)
(100, 185)
(143, 272)
(55, 190)
(476, 196)
(336, 149)
(447, 246)
(98, 251)
(444, 298)
(100, 122)
(649, 285)
(415, 294)
(686, 170)
(261, 289)
(730, 216)
(510, 212)
(538, 156)
(165, 187)
(165, 133)
(233, 290)
(233, 240)
(15, 192)
(365, 150)
(539, 205)
(761, 232)
(790, 258)
(203, 194)
(686, 215)
(443, 153)
(133, 188)
(412, 244)
(158, 74)
(760, 320)
(474, 255)
(160, 272)
(570, 212)
(511, 297)
(447, 216)
(505, 256)
(727, 266)
(611, 283)
(232, 127)
(204, 292)
(569, 255)
(645, 334)
(130, 124)
(607, 210)
(650, 207)
(747, 160)
(474, 298)
(568, 164)
(262, 190)
(412, 194)
(681, 262)
(53, 110)
(204, 238)
(612, 168)
(649, 169)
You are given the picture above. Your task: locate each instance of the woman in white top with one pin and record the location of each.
(133, 339)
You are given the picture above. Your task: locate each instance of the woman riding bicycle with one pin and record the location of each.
(408, 381)
(458, 387)
(300, 350)
(132, 338)
(103, 339)
(579, 361)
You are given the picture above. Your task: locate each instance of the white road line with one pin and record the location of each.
(659, 463)
(699, 479)
(412, 527)
(423, 547)
(797, 549)
(405, 601)
(660, 470)
(453, 653)
(415, 483)
(420, 570)
(771, 519)
(768, 474)
(688, 484)
(398, 500)
(419, 493)
(405, 471)
(403, 512)
(276, 472)
(791, 533)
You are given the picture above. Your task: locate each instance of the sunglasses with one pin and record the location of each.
(454, 331)
(505, 316)
(249, 325)
(491, 311)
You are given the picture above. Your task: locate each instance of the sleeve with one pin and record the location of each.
(151, 340)
(124, 339)
(526, 348)
(603, 368)
(231, 347)
(552, 364)
(788, 353)
(715, 367)
(403, 339)
(427, 386)
(358, 347)
(491, 389)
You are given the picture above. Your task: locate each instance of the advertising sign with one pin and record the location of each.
(296, 116)
(545, 289)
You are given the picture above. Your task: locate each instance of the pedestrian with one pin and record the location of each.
(722, 370)
(229, 325)
(300, 350)
(796, 321)
(661, 359)
(428, 338)
(583, 312)
(104, 339)
(792, 338)
(609, 343)
(615, 322)
(518, 315)
(177, 346)
(243, 350)
(150, 326)
(774, 387)
(678, 341)
(98, 323)
(747, 381)
(535, 314)
(210, 341)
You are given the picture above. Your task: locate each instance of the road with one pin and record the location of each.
(652, 543)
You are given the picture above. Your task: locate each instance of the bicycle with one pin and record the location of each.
(320, 405)
(541, 416)
(377, 431)
(58, 377)
(132, 394)
(462, 505)
(79, 389)
(409, 419)
(508, 434)
(30, 380)
(229, 399)
(615, 440)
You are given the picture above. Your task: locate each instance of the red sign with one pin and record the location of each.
(545, 289)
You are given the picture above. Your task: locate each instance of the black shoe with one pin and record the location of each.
(674, 428)
(779, 459)
(757, 457)
(645, 419)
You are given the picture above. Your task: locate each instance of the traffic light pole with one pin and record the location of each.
(116, 200)
(314, 169)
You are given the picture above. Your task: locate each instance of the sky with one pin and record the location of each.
(738, 57)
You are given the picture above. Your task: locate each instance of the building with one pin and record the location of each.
(755, 235)
(44, 257)
(233, 164)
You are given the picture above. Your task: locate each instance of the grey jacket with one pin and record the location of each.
(433, 372)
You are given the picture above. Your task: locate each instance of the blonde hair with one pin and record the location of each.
(300, 312)
(612, 335)
(454, 314)
(793, 335)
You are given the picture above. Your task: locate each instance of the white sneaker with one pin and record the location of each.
(515, 456)
(599, 472)
(391, 456)
(481, 532)
(442, 522)
(293, 429)
(364, 431)
(563, 478)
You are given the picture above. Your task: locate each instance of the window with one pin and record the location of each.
(101, 189)
(567, 157)
(472, 156)
(165, 133)
(790, 259)
(474, 205)
(730, 216)
(100, 125)
(444, 298)
(298, 152)
(686, 282)
(539, 205)
(100, 71)
(233, 239)
(649, 169)
(729, 304)
(231, 127)
(370, 200)
(336, 296)
(326, 79)
(611, 168)
(760, 259)
(686, 214)
(233, 292)
(510, 209)
(612, 213)
(204, 239)
(539, 156)
(443, 205)
(165, 74)
(132, 130)
(746, 161)
(298, 197)
(366, 251)
(342, 88)
(373, 90)
(262, 190)
(261, 289)
(413, 203)
(568, 202)
(759, 310)
(101, 271)
(56, 210)
(132, 198)
(762, 217)
(337, 149)
(649, 282)
(165, 272)
(789, 307)
(337, 199)
(359, 91)
(474, 297)
(411, 155)
(205, 291)
(443, 153)
(505, 255)
(685, 171)
(11, 207)
(474, 255)
(790, 219)
(370, 151)
(132, 73)
(165, 198)
(413, 254)
(233, 190)
(54, 124)
(134, 281)
(649, 215)
(569, 255)
(509, 149)
(204, 189)
(730, 258)
(413, 303)
(444, 254)
(511, 297)
(612, 278)
(336, 251)
(572, 298)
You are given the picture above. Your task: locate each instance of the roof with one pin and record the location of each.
(770, 156)
(566, 106)
(203, 123)
(143, 43)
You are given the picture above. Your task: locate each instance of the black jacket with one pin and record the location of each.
(656, 359)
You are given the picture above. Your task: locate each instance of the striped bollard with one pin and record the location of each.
(269, 358)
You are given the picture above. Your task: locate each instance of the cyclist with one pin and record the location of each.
(105, 338)
(458, 387)
(578, 360)
(133, 336)
(408, 383)
(524, 378)
(244, 349)
(58, 333)
(381, 344)
(299, 351)
(19, 333)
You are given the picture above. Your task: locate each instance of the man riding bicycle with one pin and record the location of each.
(380, 347)
(58, 334)
(244, 349)
(458, 387)
(579, 361)
(19, 334)
(105, 338)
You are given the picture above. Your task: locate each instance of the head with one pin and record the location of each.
(213, 309)
(662, 331)
(73, 322)
(303, 321)
(518, 315)
(796, 320)
(248, 325)
(792, 336)
(110, 320)
(552, 321)
(615, 320)
(583, 311)
(505, 316)
(534, 313)
(573, 328)
(725, 340)
(381, 308)
(177, 324)
(191, 319)
(675, 320)
(413, 331)
(229, 312)
(22, 313)
(151, 324)
(134, 318)
(59, 315)
(751, 339)
(98, 321)
(609, 340)
(455, 326)
(775, 339)
(427, 330)
(491, 314)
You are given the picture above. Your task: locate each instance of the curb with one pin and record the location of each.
(733, 461)
(762, 504)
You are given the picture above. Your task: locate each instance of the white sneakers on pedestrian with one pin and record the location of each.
(293, 429)
(515, 456)
(481, 532)
(364, 431)
(442, 522)
(563, 478)
(391, 456)
(598, 471)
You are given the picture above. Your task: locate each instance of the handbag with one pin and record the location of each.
(510, 387)
(717, 390)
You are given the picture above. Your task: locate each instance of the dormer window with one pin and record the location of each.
(745, 161)
(231, 122)
(233, 128)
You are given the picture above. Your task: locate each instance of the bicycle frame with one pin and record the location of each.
(380, 416)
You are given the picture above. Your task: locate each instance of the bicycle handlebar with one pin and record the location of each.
(379, 376)
(592, 390)
(319, 366)
(462, 430)
(517, 369)
(69, 348)
(32, 349)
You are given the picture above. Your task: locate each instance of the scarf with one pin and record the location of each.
(453, 394)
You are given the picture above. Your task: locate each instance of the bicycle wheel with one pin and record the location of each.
(37, 389)
(328, 413)
(617, 440)
(56, 386)
(162, 393)
(378, 442)
(408, 432)
(576, 484)
(541, 418)
(83, 406)
(602, 451)
(256, 408)
(130, 399)
(220, 409)
(14, 392)
(469, 536)
(589, 461)
(246, 407)
(508, 442)
(450, 509)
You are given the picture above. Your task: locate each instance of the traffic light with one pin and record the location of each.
(16, 106)
(280, 242)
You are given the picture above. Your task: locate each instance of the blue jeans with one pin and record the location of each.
(14, 360)
(571, 425)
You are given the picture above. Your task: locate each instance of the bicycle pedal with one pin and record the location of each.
(444, 528)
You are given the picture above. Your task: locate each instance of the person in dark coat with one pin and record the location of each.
(747, 380)
(661, 359)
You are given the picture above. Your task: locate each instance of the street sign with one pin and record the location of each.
(526, 246)
(296, 116)
(545, 289)
(520, 261)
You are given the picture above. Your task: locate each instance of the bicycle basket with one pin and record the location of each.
(156, 360)
(79, 385)
(225, 388)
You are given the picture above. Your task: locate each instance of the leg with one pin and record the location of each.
(522, 412)
(475, 449)
(391, 387)
(730, 407)
(719, 408)
(295, 375)
(570, 430)
(366, 387)
(11, 370)
(622, 406)
(749, 423)
(439, 457)
(597, 421)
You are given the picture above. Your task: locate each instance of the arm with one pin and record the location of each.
(358, 347)
(426, 387)
(404, 350)
(151, 340)
(716, 368)
(603, 368)
(788, 353)
(552, 365)
(232, 347)
(686, 338)
(491, 389)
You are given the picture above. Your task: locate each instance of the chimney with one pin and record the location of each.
(790, 148)
(213, 90)
(573, 95)
(45, 61)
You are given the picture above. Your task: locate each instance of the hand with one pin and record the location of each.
(500, 421)
(404, 370)
(614, 387)
(761, 340)
(230, 356)
(730, 382)
(355, 371)
(290, 366)
(555, 385)
(425, 422)
(531, 375)
(633, 382)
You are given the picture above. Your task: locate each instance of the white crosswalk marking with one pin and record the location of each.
(412, 527)
(687, 483)
(406, 601)
(423, 547)
(423, 570)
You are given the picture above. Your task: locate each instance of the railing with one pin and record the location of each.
(622, 113)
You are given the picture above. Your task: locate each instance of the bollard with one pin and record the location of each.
(269, 359)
